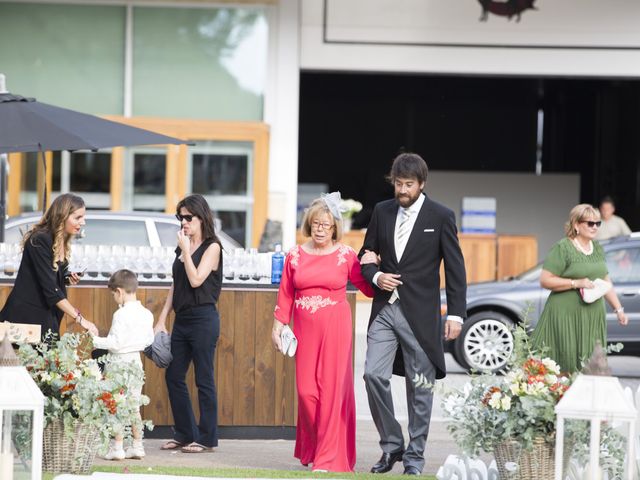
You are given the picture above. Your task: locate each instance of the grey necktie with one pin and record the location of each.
(402, 234)
(405, 227)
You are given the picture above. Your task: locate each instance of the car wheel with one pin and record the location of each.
(485, 342)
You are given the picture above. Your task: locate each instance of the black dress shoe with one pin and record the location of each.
(411, 471)
(386, 462)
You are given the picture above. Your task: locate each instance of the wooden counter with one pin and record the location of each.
(255, 384)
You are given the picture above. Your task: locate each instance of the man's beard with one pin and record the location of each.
(406, 200)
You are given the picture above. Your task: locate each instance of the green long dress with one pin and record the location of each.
(569, 327)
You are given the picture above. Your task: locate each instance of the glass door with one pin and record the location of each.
(223, 173)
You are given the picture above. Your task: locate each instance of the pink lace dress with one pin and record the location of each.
(313, 292)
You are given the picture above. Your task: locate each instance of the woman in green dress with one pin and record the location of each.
(568, 327)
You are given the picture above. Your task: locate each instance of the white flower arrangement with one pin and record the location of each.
(349, 207)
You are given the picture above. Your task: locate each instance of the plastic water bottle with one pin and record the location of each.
(277, 263)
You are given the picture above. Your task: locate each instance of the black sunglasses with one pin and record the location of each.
(188, 218)
(592, 224)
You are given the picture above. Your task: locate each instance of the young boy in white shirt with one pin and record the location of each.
(131, 332)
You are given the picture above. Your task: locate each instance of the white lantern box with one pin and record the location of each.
(595, 399)
(21, 419)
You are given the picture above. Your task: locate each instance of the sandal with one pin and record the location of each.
(195, 447)
(172, 445)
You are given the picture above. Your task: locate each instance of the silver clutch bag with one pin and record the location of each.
(289, 341)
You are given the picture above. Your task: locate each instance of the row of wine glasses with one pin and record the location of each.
(247, 266)
(98, 262)
(102, 260)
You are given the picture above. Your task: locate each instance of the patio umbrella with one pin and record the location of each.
(27, 125)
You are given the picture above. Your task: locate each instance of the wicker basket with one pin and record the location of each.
(535, 464)
(69, 453)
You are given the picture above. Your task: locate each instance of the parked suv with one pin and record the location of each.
(493, 308)
(118, 228)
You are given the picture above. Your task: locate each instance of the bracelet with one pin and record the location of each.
(619, 310)
(573, 284)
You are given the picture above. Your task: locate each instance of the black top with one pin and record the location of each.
(38, 287)
(184, 295)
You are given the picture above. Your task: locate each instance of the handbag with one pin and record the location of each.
(600, 288)
(289, 341)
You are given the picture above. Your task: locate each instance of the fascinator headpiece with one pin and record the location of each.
(333, 201)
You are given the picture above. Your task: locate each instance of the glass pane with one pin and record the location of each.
(56, 171)
(29, 183)
(624, 265)
(115, 232)
(90, 172)
(30, 187)
(17, 431)
(68, 55)
(234, 225)
(214, 174)
(167, 233)
(216, 57)
(149, 173)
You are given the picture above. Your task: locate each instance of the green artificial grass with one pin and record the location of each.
(243, 473)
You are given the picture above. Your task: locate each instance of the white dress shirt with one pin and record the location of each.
(400, 246)
(131, 332)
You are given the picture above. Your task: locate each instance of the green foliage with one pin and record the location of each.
(75, 388)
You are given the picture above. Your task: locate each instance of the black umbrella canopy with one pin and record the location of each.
(27, 125)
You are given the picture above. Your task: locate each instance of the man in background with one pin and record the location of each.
(612, 225)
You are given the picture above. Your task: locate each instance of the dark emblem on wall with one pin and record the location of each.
(505, 8)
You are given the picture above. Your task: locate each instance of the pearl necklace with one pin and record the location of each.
(588, 251)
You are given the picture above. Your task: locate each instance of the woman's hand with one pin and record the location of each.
(74, 278)
(275, 335)
(622, 318)
(88, 325)
(184, 243)
(160, 327)
(584, 283)
(369, 257)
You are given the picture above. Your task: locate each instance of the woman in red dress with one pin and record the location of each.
(313, 292)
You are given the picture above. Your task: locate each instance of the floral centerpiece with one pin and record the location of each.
(349, 207)
(77, 393)
(492, 409)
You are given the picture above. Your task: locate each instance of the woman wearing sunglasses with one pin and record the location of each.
(569, 326)
(197, 279)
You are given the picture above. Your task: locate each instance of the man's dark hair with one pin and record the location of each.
(124, 279)
(408, 165)
(607, 199)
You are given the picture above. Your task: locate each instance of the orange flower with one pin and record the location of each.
(490, 392)
(67, 388)
(534, 367)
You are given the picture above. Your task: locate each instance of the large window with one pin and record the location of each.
(187, 62)
(67, 55)
(199, 62)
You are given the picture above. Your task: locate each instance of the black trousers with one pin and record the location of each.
(193, 339)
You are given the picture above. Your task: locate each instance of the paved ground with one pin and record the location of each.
(278, 454)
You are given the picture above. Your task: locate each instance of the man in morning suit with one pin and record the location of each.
(412, 235)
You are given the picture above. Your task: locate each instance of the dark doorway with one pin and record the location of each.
(352, 125)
